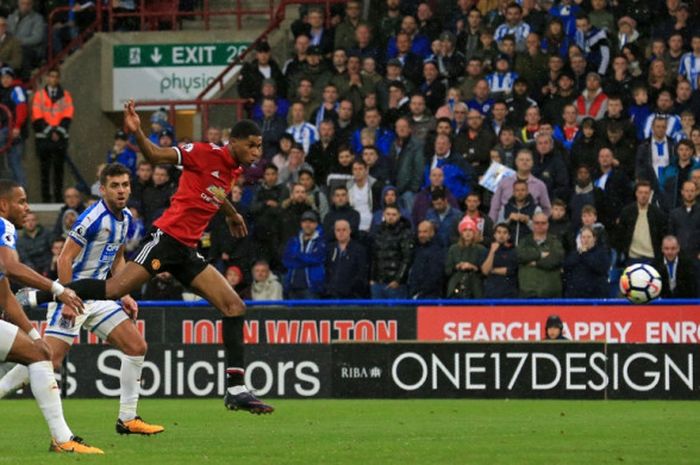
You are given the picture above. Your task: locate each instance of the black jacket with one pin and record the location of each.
(616, 195)
(272, 131)
(346, 213)
(347, 273)
(155, 200)
(685, 225)
(644, 168)
(322, 160)
(551, 170)
(476, 151)
(586, 273)
(392, 252)
(628, 218)
(685, 278)
(250, 80)
(426, 278)
(503, 287)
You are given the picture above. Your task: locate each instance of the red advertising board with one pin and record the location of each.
(612, 323)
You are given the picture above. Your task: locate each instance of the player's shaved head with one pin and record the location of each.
(6, 187)
(244, 129)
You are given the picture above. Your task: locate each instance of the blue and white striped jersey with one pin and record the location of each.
(100, 234)
(501, 83)
(690, 69)
(304, 134)
(520, 31)
(674, 128)
(8, 237)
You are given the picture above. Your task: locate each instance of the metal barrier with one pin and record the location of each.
(202, 105)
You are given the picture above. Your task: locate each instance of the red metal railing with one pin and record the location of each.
(275, 22)
(201, 106)
(144, 13)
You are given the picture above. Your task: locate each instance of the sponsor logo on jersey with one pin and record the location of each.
(215, 174)
(155, 264)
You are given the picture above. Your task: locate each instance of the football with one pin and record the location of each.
(640, 283)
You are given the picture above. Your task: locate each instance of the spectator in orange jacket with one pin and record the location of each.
(52, 113)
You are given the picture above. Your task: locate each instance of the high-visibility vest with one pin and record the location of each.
(52, 112)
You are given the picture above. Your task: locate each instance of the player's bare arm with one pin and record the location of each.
(64, 266)
(130, 306)
(9, 261)
(153, 153)
(234, 220)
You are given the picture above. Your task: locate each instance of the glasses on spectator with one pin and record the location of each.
(540, 222)
(461, 112)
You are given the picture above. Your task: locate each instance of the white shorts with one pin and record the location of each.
(100, 317)
(8, 333)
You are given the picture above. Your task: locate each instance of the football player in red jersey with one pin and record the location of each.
(171, 245)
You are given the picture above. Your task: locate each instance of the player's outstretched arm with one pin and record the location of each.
(153, 153)
(9, 261)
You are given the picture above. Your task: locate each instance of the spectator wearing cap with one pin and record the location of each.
(254, 72)
(10, 48)
(565, 93)
(304, 258)
(29, 28)
(592, 102)
(500, 266)
(234, 277)
(314, 70)
(513, 26)
(392, 255)
(626, 32)
(594, 44)
(450, 61)
(554, 329)
(121, 153)
(347, 268)
(540, 258)
(502, 79)
(52, 114)
(15, 99)
(159, 122)
(463, 263)
(166, 138)
(426, 277)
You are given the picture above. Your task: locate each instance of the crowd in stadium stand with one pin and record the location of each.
(460, 149)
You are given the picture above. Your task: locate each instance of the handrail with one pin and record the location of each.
(423, 303)
(174, 14)
(10, 138)
(201, 104)
(275, 23)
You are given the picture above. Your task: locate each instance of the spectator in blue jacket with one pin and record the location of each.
(304, 258)
(347, 268)
(383, 138)
(443, 216)
(122, 153)
(458, 175)
(426, 278)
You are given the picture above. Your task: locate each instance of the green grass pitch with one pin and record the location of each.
(200, 432)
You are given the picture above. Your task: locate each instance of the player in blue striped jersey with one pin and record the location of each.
(95, 246)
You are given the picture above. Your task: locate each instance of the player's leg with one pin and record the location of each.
(121, 333)
(211, 285)
(36, 356)
(59, 339)
(130, 277)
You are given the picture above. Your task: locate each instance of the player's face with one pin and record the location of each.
(116, 191)
(246, 151)
(17, 207)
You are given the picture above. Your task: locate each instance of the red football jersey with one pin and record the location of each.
(192, 207)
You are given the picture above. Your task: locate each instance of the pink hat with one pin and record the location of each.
(627, 19)
(467, 223)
